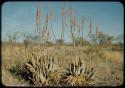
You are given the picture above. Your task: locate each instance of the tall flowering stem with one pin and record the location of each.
(82, 25)
(97, 32)
(63, 20)
(74, 23)
(46, 21)
(90, 26)
(51, 19)
(71, 23)
(38, 18)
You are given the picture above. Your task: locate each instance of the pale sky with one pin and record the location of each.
(21, 16)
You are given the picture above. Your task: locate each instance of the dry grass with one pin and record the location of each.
(15, 62)
(115, 56)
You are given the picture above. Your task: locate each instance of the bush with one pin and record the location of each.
(60, 41)
(81, 41)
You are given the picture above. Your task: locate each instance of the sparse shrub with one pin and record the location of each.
(60, 41)
(26, 44)
(81, 41)
(102, 39)
(49, 43)
(12, 39)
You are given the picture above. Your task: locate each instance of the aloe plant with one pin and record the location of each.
(41, 69)
(78, 75)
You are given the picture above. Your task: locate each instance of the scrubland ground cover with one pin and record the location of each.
(61, 65)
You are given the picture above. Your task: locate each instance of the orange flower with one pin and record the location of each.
(63, 9)
(38, 17)
(47, 17)
(71, 9)
(46, 20)
(90, 25)
(97, 32)
(82, 23)
(74, 22)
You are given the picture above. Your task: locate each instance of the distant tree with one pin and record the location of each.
(12, 38)
(30, 38)
(102, 39)
(92, 38)
(27, 39)
(60, 41)
(81, 41)
(119, 39)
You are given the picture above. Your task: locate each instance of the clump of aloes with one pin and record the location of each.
(78, 75)
(42, 70)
